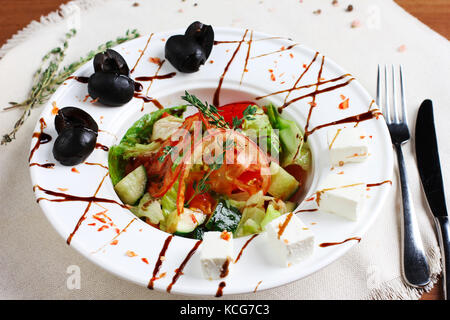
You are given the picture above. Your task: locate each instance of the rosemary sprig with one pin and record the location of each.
(50, 76)
(208, 110)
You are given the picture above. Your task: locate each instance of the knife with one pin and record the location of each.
(430, 174)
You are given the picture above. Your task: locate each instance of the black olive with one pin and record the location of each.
(110, 88)
(203, 34)
(73, 145)
(111, 61)
(184, 53)
(74, 117)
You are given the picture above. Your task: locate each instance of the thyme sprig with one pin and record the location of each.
(248, 115)
(208, 110)
(202, 185)
(49, 76)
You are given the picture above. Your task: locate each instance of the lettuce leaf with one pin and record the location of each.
(136, 141)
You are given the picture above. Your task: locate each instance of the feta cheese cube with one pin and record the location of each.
(342, 196)
(291, 241)
(347, 145)
(216, 254)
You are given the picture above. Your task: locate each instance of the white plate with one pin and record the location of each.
(274, 64)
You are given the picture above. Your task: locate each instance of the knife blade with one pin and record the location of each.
(428, 163)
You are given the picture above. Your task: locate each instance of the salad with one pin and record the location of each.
(232, 168)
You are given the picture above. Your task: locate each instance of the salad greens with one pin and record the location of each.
(164, 189)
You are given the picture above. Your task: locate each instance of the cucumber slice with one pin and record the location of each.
(150, 208)
(187, 221)
(282, 184)
(271, 214)
(132, 186)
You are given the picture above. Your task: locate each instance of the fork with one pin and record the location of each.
(415, 269)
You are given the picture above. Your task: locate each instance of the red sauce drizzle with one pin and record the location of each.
(244, 246)
(256, 288)
(328, 244)
(217, 92)
(179, 270)
(219, 292)
(159, 261)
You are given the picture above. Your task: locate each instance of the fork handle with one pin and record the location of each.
(415, 266)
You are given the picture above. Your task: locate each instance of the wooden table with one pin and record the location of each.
(16, 14)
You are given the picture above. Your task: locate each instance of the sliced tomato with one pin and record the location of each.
(246, 168)
(204, 202)
(232, 110)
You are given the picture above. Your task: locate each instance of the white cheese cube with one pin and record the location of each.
(216, 254)
(342, 196)
(347, 145)
(291, 241)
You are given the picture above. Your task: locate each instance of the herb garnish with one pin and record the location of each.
(208, 110)
(49, 77)
(248, 114)
(202, 186)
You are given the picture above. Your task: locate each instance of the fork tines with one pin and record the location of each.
(386, 106)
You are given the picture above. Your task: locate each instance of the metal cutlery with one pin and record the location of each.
(430, 174)
(415, 267)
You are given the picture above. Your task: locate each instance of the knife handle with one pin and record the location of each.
(415, 266)
(443, 231)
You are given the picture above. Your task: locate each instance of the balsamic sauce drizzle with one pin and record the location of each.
(219, 292)
(142, 53)
(42, 138)
(157, 77)
(79, 79)
(244, 70)
(313, 102)
(277, 51)
(369, 185)
(244, 246)
(375, 113)
(44, 165)
(69, 239)
(159, 261)
(145, 97)
(179, 270)
(217, 92)
(328, 244)
(100, 146)
(96, 164)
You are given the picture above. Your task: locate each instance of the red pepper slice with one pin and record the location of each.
(235, 109)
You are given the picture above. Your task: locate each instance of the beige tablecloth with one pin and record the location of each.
(35, 262)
